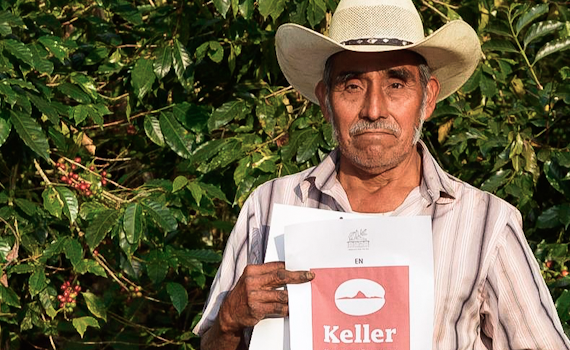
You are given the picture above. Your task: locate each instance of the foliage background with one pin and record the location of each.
(183, 103)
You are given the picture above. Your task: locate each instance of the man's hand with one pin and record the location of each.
(255, 296)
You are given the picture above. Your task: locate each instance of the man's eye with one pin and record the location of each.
(397, 85)
(352, 87)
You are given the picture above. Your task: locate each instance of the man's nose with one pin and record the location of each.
(374, 106)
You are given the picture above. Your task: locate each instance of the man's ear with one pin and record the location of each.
(321, 92)
(432, 92)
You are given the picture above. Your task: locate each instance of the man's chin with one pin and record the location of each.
(371, 164)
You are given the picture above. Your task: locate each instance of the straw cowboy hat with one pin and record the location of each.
(452, 52)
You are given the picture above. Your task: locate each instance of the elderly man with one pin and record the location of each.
(377, 78)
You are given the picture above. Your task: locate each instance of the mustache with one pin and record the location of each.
(381, 124)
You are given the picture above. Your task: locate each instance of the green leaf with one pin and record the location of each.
(530, 16)
(316, 12)
(552, 47)
(563, 306)
(178, 138)
(74, 92)
(179, 183)
(156, 268)
(488, 86)
(178, 296)
(246, 9)
(23, 84)
(498, 28)
(54, 248)
(97, 55)
(11, 20)
(473, 82)
(163, 62)
(91, 266)
(95, 305)
(152, 130)
(205, 255)
(496, 180)
(87, 84)
(5, 29)
(143, 77)
(9, 94)
(308, 147)
(222, 6)
(181, 60)
(128, 248)
(99, 228)
(46, 303)
(128, 12)
(5, 128)
(81, 324)
(225, 114)
(499, 45)
(44, 107)
(9, 297)
(31, 133)
(37, 282)
(133, 223)
(213, 192)
(28, 207)
(55, 45)
(161, 215)
(40, 62)
(73, 251)
(80, 113)
(70, 204)
(540, 29)
(242, 170)
(196, 191)
(208, 150)
(272, 8)
(554, 216)
(216, 52)
(19, 50)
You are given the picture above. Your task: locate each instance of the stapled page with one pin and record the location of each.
(373, 287)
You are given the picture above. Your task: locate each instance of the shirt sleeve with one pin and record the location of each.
(517, 311)
(234, 261)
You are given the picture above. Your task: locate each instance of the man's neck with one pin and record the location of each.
(382, 192)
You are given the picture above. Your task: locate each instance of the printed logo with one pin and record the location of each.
(361, 308)
(359, 297)
(357, 240)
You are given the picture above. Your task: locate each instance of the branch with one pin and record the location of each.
(523, 53)
(96, 257)
(126, 121)
(279, 92)
(42, 174)
(98, 175)
(446, 5)
(146, 329)
(436, 10)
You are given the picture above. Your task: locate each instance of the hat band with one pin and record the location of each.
(377, 41)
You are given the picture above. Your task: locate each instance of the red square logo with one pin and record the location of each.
(361, 308)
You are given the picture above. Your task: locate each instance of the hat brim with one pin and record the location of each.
(452, 53)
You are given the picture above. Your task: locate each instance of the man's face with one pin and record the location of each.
(376, 104)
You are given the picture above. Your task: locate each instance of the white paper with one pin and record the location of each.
(274, 333)
(389, 244)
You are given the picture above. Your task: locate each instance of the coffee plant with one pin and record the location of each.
(131, 132)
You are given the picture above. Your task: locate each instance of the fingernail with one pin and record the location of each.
(310, 275)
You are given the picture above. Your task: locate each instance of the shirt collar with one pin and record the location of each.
(436, 185)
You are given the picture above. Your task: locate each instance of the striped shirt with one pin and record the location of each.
(489, 293)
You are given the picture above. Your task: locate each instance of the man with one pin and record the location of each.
(377, 79)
